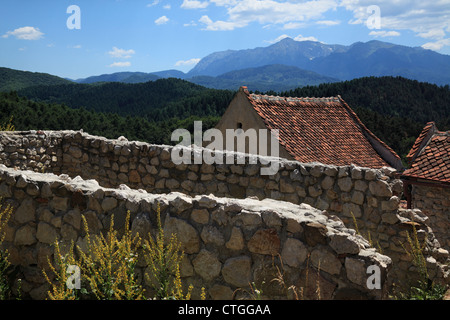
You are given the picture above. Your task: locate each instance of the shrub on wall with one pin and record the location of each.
(5, 267)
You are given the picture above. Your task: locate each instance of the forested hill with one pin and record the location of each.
(154, 100)
(31, 115)
(11, 79)
(394, 108)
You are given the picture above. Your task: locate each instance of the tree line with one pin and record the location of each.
(393, 108)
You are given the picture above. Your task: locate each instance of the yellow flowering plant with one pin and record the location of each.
(108, 265)
(164, 261)
(59, 290)
(5, 266)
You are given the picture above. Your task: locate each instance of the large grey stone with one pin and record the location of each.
(25, 236)
(345, 184)
(356, 270)
(294, 252)
(212, 235)
(264, 241)
(184, 232)
(109, 203)
(46, 233)
(237, 271)
(207, 265)
(343, 243)
(325, 260)
(236, 241)
(26, 211)
(380, 188)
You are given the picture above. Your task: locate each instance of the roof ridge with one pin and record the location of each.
(287, 98)
(415, 149)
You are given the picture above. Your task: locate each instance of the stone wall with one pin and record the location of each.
(347, 191)
(435, 203)
(229, 243)
(364, 199)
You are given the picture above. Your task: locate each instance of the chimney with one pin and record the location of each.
(243, 89)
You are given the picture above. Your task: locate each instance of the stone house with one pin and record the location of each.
(427, 180)
(324, 130)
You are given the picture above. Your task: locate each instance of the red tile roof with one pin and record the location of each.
(430, 155)
(430, 128)
(322, 130)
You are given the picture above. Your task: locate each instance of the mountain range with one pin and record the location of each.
(315, 62)
(285, 65)
(373, 58)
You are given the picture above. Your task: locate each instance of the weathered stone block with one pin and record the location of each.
(236, 241)
(109, 203)
(26, 211)
(326, 260)
(46, 233)
(327, 182)
(237, 271)
(184, 232)
(265, 241)
(356, 271)
(212, 235)
(25, 236)
(344, 244)
(294, 252)
(380, 188)
(207, 265)
(345, 184)
(315, 233)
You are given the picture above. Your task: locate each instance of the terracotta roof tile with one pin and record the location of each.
(428, 129)
(319, 130)
(432, 161)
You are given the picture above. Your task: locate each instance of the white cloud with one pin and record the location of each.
(432, 34)
(297, 38)
(189, 62)
(294, 25)
(121, 53)
(167, 7)
(328, 23)
(278, 39)
(194, 4)
(154, 3)
(384, 33)
(289, 14)
(427, 19)
(224, 3)
(190, 24)
(221, 25)
(25, 33)
(162, 20)
(270, 11)
(438, 45)
(302, 38)
(416, 15)
(120, 64)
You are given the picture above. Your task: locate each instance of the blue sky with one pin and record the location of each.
(155, 35)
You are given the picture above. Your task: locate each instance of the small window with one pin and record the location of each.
(239, 125)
